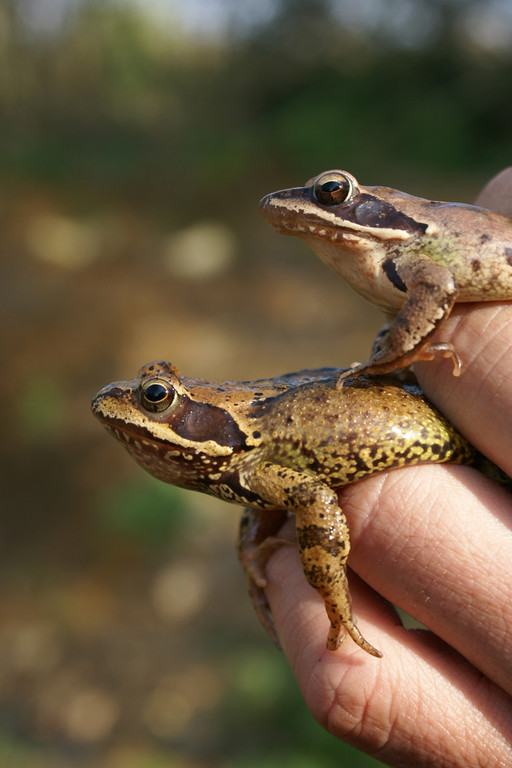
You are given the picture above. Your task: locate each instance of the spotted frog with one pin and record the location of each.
(411, 257)
(281, 446)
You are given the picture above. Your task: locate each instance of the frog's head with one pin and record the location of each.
(171, 429)
(334, 214)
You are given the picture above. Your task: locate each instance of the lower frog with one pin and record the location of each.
(411, 257)
(280, 446)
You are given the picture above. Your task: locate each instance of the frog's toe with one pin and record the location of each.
(355, 370)
(263, 612)
(338, 634)
(254, 561)
(443, 349)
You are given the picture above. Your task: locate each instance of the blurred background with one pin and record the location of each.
(136, 139)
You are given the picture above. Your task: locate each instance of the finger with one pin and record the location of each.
(420, 705)
(437, 542)
(479, 401)
(497, 194)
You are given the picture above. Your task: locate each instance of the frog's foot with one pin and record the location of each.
(255, 560)
(339, 631)
(374, 366)
(256, 544)
(336, 596)
(254, 565)
(430, 351)
(356, 369)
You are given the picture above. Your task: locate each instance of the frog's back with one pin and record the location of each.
(369, 426)
(476, 245)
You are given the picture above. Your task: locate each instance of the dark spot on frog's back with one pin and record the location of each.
(508, 256)
(372, 212)
(200, 422)
(476, 265)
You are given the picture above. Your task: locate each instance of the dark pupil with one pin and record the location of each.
(328, 187)
(155, 393)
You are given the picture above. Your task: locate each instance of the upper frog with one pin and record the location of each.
(413, 258)
(281, 445)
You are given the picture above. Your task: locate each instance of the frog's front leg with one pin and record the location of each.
(431, 292)
(323, 538)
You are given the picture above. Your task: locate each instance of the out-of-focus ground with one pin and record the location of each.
(124, 621)
(133, 157)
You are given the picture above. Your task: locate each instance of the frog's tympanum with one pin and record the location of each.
(413, 258)
(281, 446)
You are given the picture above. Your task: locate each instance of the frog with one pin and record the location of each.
(282, 447)
(413, 258)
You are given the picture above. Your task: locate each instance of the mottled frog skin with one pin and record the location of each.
(280, 446)
(411, 257)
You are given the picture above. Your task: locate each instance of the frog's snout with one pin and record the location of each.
(106, 403)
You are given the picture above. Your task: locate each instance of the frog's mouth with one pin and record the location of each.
(292, 211)
(173, 464)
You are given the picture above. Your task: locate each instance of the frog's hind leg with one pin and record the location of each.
(323, 538)
(324, 546)
(383, 332)
(257, 540)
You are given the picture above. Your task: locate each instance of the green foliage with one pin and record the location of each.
(18, 755)
(41, 409)
(148, 512)
(126, 99)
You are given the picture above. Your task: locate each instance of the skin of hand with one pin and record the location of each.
(436, 541)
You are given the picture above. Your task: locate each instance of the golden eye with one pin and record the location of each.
(157, 395)
(333, 188)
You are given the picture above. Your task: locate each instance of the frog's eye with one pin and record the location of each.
(333, 188)
(157, 395)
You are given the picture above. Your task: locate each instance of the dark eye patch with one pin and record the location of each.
(372, 212)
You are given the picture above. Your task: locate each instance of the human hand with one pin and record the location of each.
(437, 541)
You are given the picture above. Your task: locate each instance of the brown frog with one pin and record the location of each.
(280, 446)
(413, 258)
